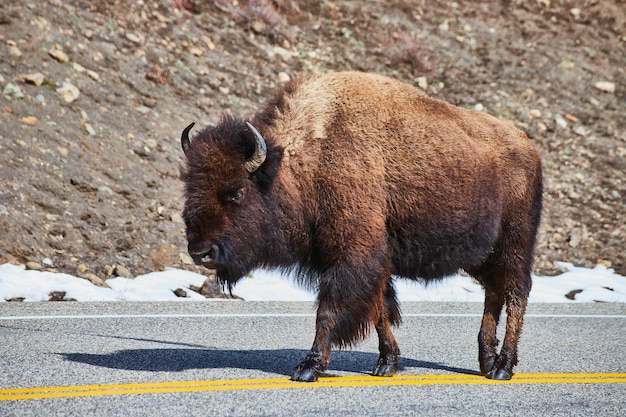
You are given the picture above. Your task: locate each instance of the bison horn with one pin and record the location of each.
(184, 138)
(260, 152)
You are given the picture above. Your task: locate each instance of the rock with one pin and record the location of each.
(560, 122)
(534, 113)
(283, 77)
(12, 90)
(209, 43)
(180, 293)
(95, 280)
(14, 51)
(544, 3)
(606, 86)
(33, 266)
(162, 256)
(133, 38)
(5, 210)
(445, 26)
(150, 102)
(29, 120)
(572, 294)
(59, 296)
(58, 54)
(185, 259)
(195, 50)
(36, 78)
(90, 130)
(581, 131)
(82, 268)
(175, 217)
(103, 189)
(78, 68)
(575, 12)
(120, 271)
(422, 82)
(93, 75)
(258, 26)
(151, 143)
(69, 92)
(282, 52)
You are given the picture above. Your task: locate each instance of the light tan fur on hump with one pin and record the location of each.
(306, 114)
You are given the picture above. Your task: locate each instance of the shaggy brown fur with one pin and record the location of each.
(366, 179)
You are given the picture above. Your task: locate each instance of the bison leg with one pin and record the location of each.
(487, 338)
(318, 358)
(516, 301)
(387, 364)
(347, 308)
(312, 366)
(511, 287)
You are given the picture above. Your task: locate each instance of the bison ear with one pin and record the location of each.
(184, 139)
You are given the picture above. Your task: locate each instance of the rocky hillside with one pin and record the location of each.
(95, 94)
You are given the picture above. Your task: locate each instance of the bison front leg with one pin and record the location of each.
(387, 364)
(316, 362)
(318, 358)
(350, 300)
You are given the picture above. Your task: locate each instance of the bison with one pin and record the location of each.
(352, 179)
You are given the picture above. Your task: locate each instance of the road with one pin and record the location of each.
(233, 358)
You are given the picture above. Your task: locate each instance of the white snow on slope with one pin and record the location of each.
(597, 284)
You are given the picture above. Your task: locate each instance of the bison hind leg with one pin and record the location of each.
(387, 364)
(503, 285)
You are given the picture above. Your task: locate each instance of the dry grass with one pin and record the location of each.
(260, 16)
(406, 48)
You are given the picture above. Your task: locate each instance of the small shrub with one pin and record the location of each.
(405, 48)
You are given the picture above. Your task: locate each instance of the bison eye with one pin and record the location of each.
(232, 195)
(237, 196)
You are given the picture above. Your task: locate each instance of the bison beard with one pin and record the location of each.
(353, 179)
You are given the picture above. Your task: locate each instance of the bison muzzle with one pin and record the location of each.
(352, 180)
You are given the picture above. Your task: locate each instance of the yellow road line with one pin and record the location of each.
(283, 383)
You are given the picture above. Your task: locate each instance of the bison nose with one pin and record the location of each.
(204, 254)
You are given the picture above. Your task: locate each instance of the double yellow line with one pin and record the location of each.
(17, 394)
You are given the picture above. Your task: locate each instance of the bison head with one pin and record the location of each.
(228, 206)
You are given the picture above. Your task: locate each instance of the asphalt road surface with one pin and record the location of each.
(234, 358)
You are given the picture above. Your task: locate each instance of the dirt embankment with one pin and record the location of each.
(96, 93)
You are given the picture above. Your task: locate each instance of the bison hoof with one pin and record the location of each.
(487, 365)
(386, 367)
(306, 372)
(500, 374)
